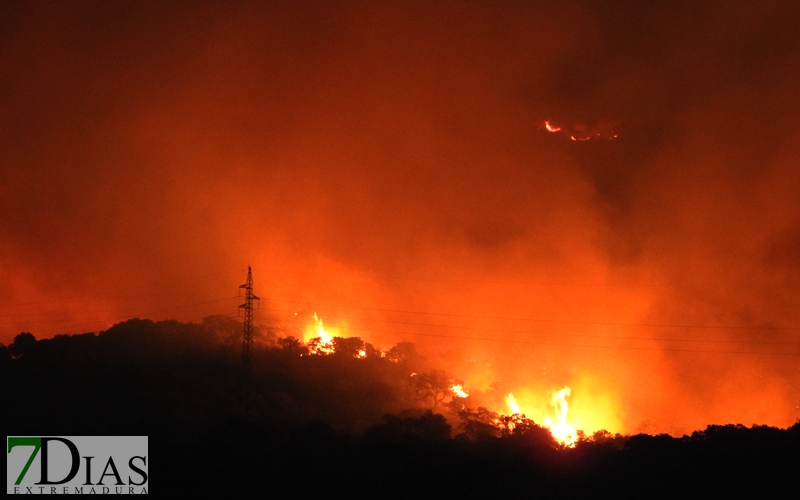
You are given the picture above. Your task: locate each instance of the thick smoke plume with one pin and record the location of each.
(379, 160)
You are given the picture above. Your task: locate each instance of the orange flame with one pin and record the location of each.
(551, 128)
(581, 132)
(459, 391)
(564, 432)
(512, 404)
(325, 345)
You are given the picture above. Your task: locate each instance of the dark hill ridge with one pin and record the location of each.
(339, 424)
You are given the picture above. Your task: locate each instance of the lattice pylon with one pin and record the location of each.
(248, 319)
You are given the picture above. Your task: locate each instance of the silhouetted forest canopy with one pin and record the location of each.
(358, 421)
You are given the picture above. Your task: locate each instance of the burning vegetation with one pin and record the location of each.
(581, 132)
(334, 420)
(584, 214)
(438, 389)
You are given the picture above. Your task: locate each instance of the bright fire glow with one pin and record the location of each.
(563, 431)
(325, 345)
(459, 391)
(512, 404)
(551, 128)
(582, 132)
(361, 353)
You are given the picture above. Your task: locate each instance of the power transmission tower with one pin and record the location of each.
(248, 319)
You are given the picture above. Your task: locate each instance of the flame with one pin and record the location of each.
(320, 340)
(459, 391)
(564, 432)
(582, 132)
(551, 128)
(325, 345)
(319, 327)
(512, 404)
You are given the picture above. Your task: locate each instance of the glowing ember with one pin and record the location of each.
(459, 391)
(561, 430)
(361, 353)
(582, 132)
(551, 128)
(512, 404)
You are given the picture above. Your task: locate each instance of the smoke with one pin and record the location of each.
(368, 158)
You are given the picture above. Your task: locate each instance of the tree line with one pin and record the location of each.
(355, 421)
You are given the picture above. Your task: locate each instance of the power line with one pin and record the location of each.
(473, 338)
(531, 342)
(577, 322)
(465, 316)
(79, 298)
(548, 283)
(501, 330)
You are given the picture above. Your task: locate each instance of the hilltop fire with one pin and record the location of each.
(325, 343)
(321, 342)
(563, 431)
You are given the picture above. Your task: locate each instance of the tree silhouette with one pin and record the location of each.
(433, 387)
(24, 344)
(402, 352)
(353, 347)
(292, 345)
(480, 424)
(347, 346)
(357, 421)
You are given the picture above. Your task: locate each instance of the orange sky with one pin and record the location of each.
(386, 164)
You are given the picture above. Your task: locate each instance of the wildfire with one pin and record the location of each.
(325, 344)
(582, 132)
(459, 391)
(322, 341)
(564, 432)
(512, 404)
(319, 328)
(551, 128)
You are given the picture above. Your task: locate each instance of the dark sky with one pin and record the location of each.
(374, 157)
